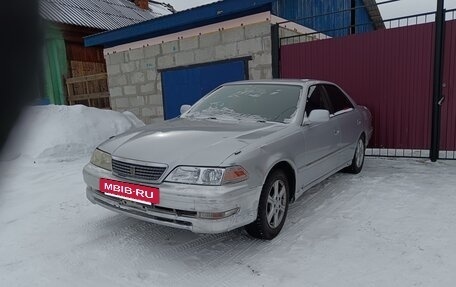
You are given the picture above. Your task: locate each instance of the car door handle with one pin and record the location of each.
(336, 132)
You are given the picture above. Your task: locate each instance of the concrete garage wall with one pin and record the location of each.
(135, 81)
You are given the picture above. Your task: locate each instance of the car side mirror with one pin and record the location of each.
(184, 108)
(318, 116)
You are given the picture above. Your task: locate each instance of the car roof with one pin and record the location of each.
(300, 82)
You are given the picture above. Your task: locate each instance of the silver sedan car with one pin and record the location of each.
(237, 157)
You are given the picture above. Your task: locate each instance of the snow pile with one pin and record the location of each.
(66, 132)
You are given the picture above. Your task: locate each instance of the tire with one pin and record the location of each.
(358, 158)
(272, 207)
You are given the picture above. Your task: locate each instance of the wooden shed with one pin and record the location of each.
(74, 74)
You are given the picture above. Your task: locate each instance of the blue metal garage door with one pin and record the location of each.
(188, 85)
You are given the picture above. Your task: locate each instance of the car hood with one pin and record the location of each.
(189, 141)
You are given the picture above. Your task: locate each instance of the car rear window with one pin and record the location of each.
(339, 101)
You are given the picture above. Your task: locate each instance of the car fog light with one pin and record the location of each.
(217, 215)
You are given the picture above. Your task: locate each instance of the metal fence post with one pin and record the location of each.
(353, 17)
(275, 50)
(438, 71)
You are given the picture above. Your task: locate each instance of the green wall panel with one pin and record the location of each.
(55, 66)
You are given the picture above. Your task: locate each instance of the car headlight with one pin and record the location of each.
(207, 175)
(101, 159)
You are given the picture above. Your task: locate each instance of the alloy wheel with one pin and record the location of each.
(360, 153)
(276, 204)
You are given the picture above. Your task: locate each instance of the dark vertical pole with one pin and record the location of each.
(275, 50)
(353, 17)
(438, 71)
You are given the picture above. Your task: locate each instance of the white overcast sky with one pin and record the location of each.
(391, 10)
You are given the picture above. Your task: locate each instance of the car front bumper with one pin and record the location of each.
(182, 205)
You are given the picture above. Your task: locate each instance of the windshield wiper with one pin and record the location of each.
(201, 117)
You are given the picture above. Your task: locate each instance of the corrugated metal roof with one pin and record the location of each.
(100, 14)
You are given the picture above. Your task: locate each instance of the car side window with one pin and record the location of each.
(339, 100)
(317, 99)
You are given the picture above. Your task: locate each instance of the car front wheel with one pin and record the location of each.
(272, 208)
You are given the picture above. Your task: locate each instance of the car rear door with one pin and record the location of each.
(349, 121)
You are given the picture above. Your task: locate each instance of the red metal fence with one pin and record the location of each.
(390, 72)
(448, 124)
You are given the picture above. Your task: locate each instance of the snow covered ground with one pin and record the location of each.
(392, 225)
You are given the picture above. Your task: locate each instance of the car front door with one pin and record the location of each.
(320, 140)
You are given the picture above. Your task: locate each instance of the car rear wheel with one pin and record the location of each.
(272, 207)
(358, 158)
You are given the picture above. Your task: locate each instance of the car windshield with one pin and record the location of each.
(257, 102)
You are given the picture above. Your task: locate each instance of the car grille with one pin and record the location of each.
(137, 171)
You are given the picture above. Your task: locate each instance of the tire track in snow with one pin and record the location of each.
(232, 252)
(189, 246)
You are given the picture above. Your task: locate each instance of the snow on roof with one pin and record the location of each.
(162, 8)
(100, 14)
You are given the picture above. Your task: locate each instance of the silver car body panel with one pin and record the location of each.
(314, 152)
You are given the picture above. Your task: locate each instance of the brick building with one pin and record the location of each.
(156, 66)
